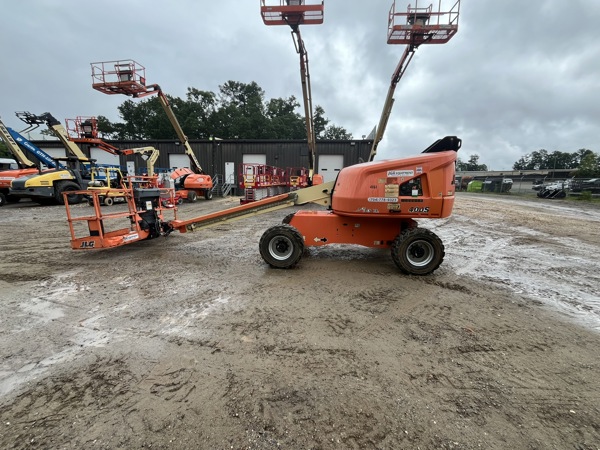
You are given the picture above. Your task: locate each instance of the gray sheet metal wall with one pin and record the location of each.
(213, 155)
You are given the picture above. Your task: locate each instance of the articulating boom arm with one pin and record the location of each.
(129, 78)
(164, 101)
(57, 128)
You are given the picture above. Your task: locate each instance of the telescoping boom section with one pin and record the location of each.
(414, 27)
(295, 13)
(373, 204)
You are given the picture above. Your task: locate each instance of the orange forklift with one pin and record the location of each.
(373, 204)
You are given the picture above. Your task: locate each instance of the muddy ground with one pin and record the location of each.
(192, 342)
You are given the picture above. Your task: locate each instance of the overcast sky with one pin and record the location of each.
(520, 75)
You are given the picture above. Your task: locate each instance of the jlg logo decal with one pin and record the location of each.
(87, 244)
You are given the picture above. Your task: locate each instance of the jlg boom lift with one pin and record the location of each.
(14, 141)
(48, 187)
(414, 27)
(373, 204)
(129, 78)
(84, 130)
(295, 13)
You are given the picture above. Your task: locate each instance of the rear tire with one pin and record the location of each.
(192, 196)
(2, 200)
(281, 246)
(417, 251)
(287, 219)
(108, 201)
(67, 186)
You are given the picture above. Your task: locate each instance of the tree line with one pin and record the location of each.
(237, 111)
(583, 163)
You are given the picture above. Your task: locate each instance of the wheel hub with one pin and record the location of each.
(280, 248)
(420, 253)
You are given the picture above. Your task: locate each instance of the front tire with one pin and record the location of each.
(2, 200)
(192, 196)
(281, 246)
(108, 201)
(208, 194)
(417, 251)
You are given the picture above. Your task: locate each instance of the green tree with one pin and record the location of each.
(589, 166)
(472, 165)
(542, 160)
(325, 131)
(238, 110)
(4, 152)
(333, 132)
(286, 123)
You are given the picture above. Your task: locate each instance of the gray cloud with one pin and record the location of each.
(518, 76)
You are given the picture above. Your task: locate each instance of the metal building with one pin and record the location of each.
(225, 157)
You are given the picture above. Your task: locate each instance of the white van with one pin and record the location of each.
(8, 164)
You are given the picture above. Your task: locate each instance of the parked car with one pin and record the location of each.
(592, 185)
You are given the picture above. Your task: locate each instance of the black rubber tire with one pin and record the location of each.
(208, 194)
(2, 200)
(417, 251)
(179, 201)
(108, 201)
(281, 246)
(287, 219)
(67, 186)
(192, 196)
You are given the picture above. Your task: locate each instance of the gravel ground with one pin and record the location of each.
(191, 341)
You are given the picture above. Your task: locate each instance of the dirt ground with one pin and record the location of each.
(192, 342)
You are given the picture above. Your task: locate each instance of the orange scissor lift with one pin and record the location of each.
(261, 181)
(372, 204)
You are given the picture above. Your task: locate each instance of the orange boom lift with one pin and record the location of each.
(129, 78)
(373, 204)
